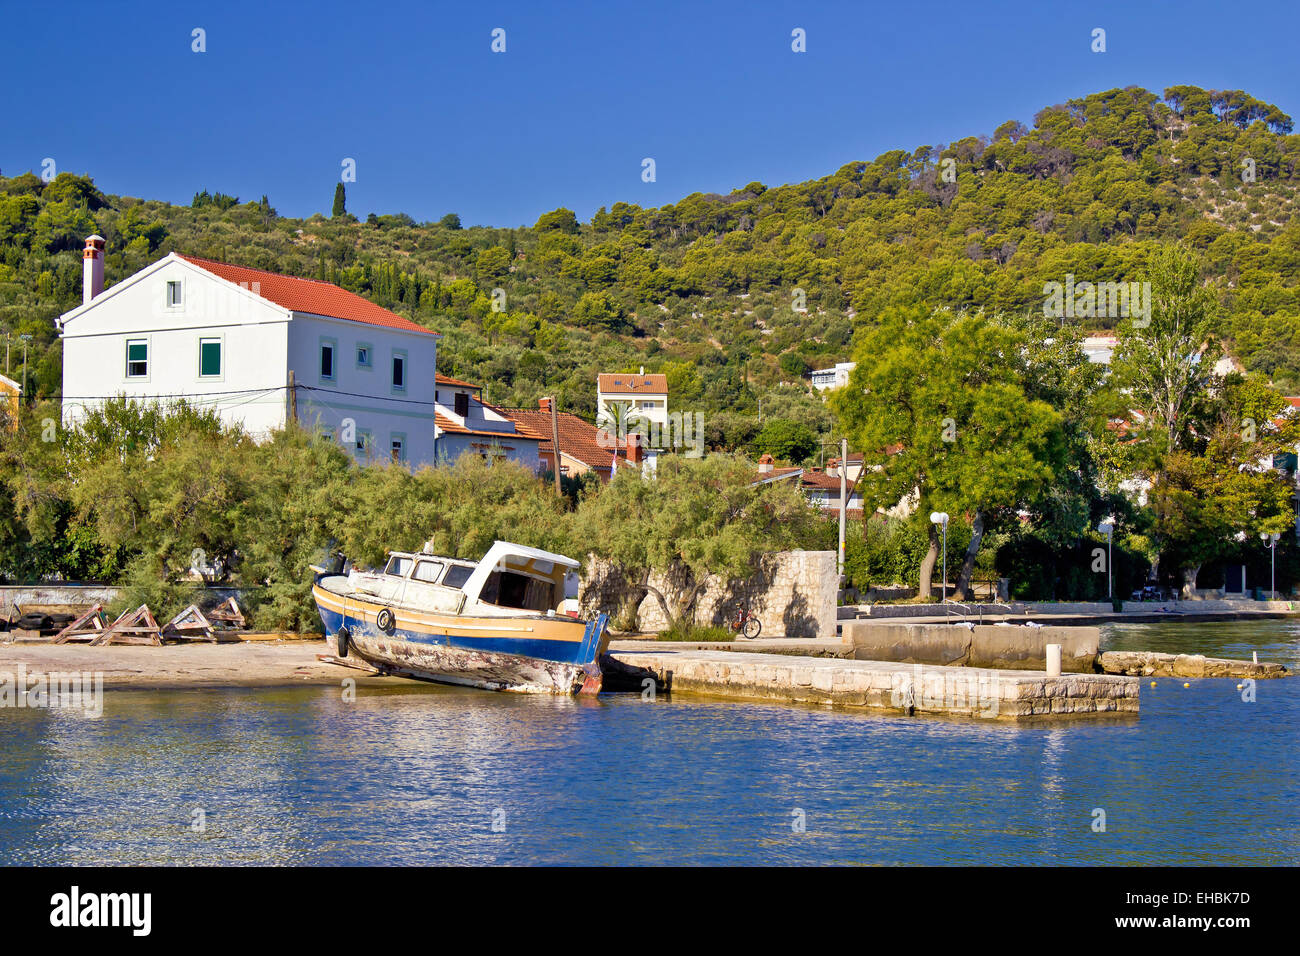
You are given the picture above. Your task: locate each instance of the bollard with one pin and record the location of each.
(1053, 660)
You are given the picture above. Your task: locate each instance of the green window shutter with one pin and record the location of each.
(210, 358)
(137, 359)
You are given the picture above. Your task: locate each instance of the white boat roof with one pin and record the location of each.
(504, 549)
(499, 552)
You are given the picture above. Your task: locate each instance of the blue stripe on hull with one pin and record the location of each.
(582, 652)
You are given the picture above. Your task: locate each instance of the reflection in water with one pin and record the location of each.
(423, 774)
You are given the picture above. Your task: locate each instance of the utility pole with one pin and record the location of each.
(293, 397)
(26, 339)
(844, 503)
(555, 443)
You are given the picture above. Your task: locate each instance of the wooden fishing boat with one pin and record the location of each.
(499, 623)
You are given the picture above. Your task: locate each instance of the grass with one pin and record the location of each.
(698, 634)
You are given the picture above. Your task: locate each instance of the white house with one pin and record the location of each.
(1099, 348)
(837, 377)
(258, 347)
(469, 425)
(644, 396)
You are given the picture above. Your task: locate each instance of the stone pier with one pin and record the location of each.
(887, 686)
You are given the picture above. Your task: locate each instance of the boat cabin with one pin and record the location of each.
(510, 577)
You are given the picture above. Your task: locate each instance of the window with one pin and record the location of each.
(327, 360)
(427, 571)
(457, 575)
(363, 355)
(209, 358)
(173, 295)
(137, 358)
(398, 448)
(363, 441)
(648, 406)
(462, 404)
(398, 565)
(399, 371)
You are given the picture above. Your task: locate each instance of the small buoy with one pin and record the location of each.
(1185, 684)
(1238, 687)
(1153, 683)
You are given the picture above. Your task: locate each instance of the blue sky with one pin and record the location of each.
(439, 123)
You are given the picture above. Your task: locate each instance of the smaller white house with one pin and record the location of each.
(837, 377)
(468, 425)
(639, 396)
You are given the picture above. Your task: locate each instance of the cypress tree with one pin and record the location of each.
(340, 199)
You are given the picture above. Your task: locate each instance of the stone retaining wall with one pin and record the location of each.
(1082, 608)
(793, 594)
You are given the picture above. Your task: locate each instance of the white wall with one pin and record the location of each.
(361, 400)
(659, 400)
(523, 450)
(250, 389)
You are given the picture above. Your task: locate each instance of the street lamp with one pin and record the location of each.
(941, 518)
(1270, 542)
(1107, 528)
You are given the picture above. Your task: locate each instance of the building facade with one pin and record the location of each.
(258, 348)
(633, 396)
(837, 377)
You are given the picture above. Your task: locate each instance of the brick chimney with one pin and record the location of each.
(765, 465)
(634, 450)
(92, 268)
(544, 404)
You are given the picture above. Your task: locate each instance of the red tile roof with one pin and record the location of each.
(819, 479)
(307, 295)
(455, 382)
(452, 428)
(626, 383)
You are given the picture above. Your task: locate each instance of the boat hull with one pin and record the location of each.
(524, 655)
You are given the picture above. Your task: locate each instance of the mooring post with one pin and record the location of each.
(1053, 660)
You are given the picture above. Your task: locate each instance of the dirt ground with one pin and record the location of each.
(260, 664)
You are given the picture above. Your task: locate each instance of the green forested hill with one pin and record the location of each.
(706, 289)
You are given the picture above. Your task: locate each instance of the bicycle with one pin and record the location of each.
(745, 623)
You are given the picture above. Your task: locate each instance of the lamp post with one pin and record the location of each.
(1107, 528)
(1270, 542)
(941, 519)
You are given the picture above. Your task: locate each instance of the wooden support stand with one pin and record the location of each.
(132, 627)
(88, 627)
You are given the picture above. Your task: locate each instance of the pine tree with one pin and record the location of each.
(340, 199)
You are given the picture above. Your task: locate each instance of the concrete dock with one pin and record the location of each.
(738, 674)
(897, 687)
